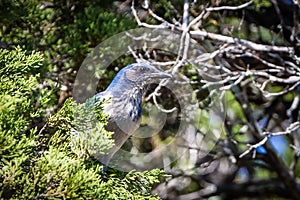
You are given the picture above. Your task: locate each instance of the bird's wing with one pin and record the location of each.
(97, 99)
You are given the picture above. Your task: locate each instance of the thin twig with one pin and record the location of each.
(289, 130)
(230, 7)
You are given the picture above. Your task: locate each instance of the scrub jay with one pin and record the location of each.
(124, 102)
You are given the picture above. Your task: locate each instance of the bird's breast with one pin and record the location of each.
(124, 113)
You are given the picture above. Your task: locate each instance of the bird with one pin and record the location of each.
(123, 102)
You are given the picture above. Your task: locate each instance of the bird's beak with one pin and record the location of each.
(160, 75)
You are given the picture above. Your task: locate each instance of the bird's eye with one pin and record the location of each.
(142, 69)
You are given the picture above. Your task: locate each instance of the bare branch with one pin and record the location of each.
(134, 12)
(230, 7)
(289, 130)
(156, 93)
(231, 40)
(254, 147)
(185, 17)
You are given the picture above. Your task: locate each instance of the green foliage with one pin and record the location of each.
(64, 31)
(17, 87)
(20, 103)
(84, 123)
(261, 4)
(139, 183)
(55, 162)
(60, 175)
(167, 8)
(22, 96)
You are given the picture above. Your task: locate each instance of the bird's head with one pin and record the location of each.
(137, 74)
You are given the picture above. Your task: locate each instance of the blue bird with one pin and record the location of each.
(124, 102)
